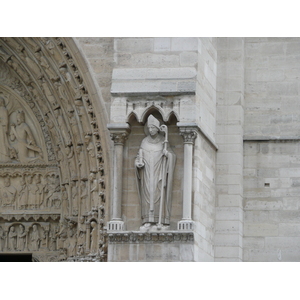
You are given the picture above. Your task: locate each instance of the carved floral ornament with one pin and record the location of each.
(48, 124)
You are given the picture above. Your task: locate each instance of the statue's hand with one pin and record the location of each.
(165, 152)
(139, 164)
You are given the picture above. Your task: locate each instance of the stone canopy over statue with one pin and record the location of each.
(154, 165)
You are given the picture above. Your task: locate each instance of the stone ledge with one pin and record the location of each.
(9, 217)
(150, 237)
(154, 81)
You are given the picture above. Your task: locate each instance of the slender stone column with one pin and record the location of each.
(189, 134)
(119, 134)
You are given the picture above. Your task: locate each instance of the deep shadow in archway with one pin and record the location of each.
(16, 258)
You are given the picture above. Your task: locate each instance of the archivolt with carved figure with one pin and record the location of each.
(51, 155)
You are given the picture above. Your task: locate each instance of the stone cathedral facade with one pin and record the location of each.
(150, 149)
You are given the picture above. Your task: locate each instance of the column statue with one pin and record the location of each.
(154, 165)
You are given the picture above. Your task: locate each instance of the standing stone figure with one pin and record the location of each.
(4, 152)
(154, 165)
(2, 239)
(93, 238)
(8, 193)
(21, 238)
(35, 238)
(12, 239)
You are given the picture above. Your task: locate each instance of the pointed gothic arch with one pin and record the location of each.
(58, 164)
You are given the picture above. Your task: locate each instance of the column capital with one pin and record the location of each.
(189, 134)
(119, 132)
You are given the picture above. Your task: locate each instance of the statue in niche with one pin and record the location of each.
(81, 162)
(4, 146)
(32, 192)
(91, 151)
(12, 239)
(74, 194)
(25, 144)
(154, 165)
(44, 63)
(35, 238)
(94, 189)
(21, 238)
(23, 194)
(53, 237)
(30, 63)
(51, 126)
(65, 201)
(83, 116)
(94, 238)
(71, 161)
(74, 125)
(83, 197)
(52, 190)
(8, 193)
(40, 190)
(72, 238)
(63, 127)
(62, 159)
(81, 235)
(15, 65)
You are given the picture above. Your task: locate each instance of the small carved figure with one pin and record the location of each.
(52, 191)
(74, 197)
(48, 93)
(74, 126)
(35, 238)
(81, 162)
(94, 189)
(12, 239)
(32, 192)
(2, 239)
(63, 127)
(23, 194)
(83, 197)
(21, 238)
(81, 111)
(94, 238)
(40, 190)
(4, 146)
(81, 232)
(154, 165)
(71, 160)
(15, 65)
(44, 63)
(8, 193)
(65, 201)
(26, 147)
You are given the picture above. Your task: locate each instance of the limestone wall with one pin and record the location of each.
(229, 166)
(271, 149)
(204, 151)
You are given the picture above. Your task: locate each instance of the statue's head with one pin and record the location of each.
(7, 181)
(153, 125)
(20, 117)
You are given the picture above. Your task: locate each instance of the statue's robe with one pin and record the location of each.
(156, 170)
